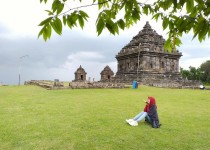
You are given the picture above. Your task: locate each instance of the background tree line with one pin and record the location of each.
(201, 73)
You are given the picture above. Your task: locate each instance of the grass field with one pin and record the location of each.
(32, 118)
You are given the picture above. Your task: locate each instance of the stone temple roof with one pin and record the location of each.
(147, 38)
(80, 70)
(107, 70)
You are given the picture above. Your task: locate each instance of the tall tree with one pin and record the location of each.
(205, 67)
(185, 73)
(178, 16)
(201, 73)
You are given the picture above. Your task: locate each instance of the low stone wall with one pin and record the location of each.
(163, 83)
(45, 84)
(85, 85)
(41, 83)
(191, 84)
(50, 85)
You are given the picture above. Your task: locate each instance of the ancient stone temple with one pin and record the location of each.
(144, 59)
(80, 74)
(107, 74)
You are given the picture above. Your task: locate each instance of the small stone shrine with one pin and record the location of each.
(144, 59)
(107, 74)
(80, 74)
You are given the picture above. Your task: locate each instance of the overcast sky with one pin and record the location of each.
(59, 57)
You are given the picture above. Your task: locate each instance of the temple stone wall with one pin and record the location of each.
(158, 80)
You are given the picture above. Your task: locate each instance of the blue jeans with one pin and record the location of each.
(140, 116)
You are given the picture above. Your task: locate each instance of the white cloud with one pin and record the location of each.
(194, 62)
(85, 56)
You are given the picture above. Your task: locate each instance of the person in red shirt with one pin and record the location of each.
(149, 114)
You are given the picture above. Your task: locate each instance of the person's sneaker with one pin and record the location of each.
(129, 120)
(134, 123)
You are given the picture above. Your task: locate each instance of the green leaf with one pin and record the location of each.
(100, 4)
(175, 4)
(46, 21)
(178, 42)
(207, 10)
(57, 25)
(209, 33)
(202, 33)
(113, 15)
(127, 16)
(49, 12)
(128, 6)
(74, 18)
(168, 3)
(81, 21)
(151, 9)
(189, 5)
(71, 19)
(194, 12)
(108, 13)
(165, 23)
(116, 28)
(182, 2)
(110, 26)
(171, 25)
(60, 8)
(40, 32)
(179, 23)
(135, 15)
(100, 25)
(64, 19)
(145, 9)
(45, 32)
(168, 45)
(195, 34)
(121, 24)
(49, 31)
(83, 14)
(55, 5)
(156, 16)
(136, 5)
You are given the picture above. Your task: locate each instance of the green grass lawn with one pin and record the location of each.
(94, 119)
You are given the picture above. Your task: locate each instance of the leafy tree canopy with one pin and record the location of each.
(201, 73)
(206, 67)
(178, 17)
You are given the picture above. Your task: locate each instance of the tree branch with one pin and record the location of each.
(93, 4)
